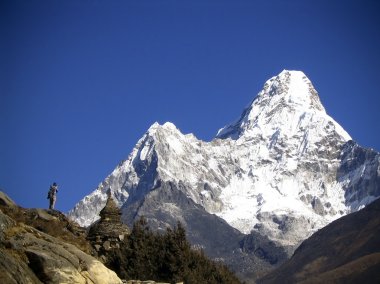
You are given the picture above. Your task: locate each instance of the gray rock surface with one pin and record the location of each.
(345, 251)
(28, 255)
(15, 271)
(361, 168)
(167, 204)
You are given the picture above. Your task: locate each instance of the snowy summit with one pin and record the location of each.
(285, 98)
(282, 169)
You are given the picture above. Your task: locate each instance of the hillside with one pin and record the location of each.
(44, 246)
(345, 251)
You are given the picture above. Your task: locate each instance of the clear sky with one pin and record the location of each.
(82, 80)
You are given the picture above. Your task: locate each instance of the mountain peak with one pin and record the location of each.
(287, 97)
(296, 87)
(157, 127)
(167, 125)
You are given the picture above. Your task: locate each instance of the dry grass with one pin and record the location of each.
(59, 226)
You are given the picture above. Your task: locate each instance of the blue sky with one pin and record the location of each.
(82, 80)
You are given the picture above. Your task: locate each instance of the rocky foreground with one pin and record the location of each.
(44, 246)
(50, 249)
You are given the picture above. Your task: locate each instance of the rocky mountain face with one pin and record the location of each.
(283, 170)
(167, 204)
(51, 249)
(345, 251)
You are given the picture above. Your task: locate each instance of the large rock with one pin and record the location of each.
(15, 271)
(51, 222)
(31, 256)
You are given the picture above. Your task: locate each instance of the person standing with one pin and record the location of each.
(52, 195)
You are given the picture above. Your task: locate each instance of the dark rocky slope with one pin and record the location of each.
(345, 251)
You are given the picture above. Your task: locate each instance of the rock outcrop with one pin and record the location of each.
(29, 255)
(209, 232)
(6, 201)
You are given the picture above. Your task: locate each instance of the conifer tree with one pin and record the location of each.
(168, 257)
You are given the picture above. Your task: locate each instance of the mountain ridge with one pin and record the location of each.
(345, 251)
(283, 170)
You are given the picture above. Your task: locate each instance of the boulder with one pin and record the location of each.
(15, 271)
(44, 214)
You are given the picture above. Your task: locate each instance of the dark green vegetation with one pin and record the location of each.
(168, 257)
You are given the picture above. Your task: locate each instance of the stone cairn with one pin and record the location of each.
(108, 232)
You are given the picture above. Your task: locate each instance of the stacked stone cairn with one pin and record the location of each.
(108, 232)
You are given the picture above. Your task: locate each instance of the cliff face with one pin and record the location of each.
(32, 254)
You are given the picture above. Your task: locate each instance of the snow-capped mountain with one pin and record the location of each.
(284, 169)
